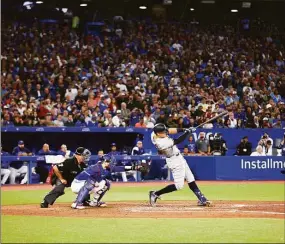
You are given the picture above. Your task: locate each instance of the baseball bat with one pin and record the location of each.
(217, 116)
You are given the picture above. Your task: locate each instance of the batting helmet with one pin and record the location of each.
(159, 128)
(84, 152)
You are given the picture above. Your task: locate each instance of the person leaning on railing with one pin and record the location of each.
(19, 168)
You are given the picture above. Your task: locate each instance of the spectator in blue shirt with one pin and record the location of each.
(5, 172)
(135, 116)
(42, 167)
(19, 168)
(191, 145)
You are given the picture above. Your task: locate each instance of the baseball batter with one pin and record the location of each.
(175, 161)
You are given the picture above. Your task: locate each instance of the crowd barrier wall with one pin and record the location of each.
(203, 168)
(96, 138)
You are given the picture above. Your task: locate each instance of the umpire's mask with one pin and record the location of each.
(83, 152)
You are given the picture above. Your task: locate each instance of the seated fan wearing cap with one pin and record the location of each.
(64, 174)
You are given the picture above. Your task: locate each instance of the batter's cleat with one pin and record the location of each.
(97, 204)
(44, 204)
(153, 198)
(77, 206)
(205, 204)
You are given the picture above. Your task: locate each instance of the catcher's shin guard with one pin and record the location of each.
(84, 191)
(99, 194)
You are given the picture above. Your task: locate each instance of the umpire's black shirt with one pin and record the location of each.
(69, 169)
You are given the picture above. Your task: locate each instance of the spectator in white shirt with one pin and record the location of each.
(266, 142)
(258, 152)
(58, 122)
(122, 86)
(267, 149)
(117, 120)
(71, 93)
(232, 121)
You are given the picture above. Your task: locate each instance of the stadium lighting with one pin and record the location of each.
(83, 5)
(208, 1)
(192, 9)
(64, 10)
(234, 10)
(142, 7)
(39, 2)
(246, 4)
(27, 3)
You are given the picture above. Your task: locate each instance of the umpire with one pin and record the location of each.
(64, 173)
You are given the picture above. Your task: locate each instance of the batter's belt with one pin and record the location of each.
(174, 155)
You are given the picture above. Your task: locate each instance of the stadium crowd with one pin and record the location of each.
(142, 74)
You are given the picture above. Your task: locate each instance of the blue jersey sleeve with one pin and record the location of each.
(15, 151)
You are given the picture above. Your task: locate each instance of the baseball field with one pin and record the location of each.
(244, 212)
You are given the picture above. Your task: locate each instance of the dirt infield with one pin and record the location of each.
(164, 209)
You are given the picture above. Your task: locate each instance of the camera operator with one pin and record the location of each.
(218, 145)
(244, 148)
(282, 146)
(266, 142)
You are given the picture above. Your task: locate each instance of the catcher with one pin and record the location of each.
(96, 179)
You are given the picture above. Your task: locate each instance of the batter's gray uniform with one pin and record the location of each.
(174, 160)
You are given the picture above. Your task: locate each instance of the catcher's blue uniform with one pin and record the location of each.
(96, 177)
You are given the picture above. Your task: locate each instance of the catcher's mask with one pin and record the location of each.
(159, 128)
(84, 152)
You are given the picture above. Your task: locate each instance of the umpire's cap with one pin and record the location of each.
(158, 128)
(84, 152)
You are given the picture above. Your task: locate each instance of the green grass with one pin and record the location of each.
(33, 229)
(92, 230)
(239, 191)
